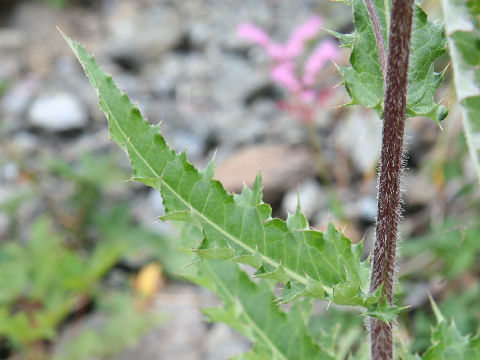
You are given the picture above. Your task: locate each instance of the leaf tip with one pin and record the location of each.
(438, 314)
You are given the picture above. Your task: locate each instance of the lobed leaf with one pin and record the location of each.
(364, 78)
(463, 33)
(383, 311)
(249, 308)
(235, 227)
(448, 343)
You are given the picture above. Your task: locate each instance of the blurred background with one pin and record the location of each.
(86, 269)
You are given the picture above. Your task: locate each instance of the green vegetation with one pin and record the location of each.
(59, 271)
(230, 229)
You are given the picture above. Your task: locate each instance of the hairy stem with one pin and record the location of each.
(377, 29)
(383, 266)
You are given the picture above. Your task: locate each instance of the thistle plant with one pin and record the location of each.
(226, 229)
(383, 266)
(395, 87)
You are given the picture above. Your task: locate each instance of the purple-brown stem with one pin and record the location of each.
(377, 29)
(388, 213)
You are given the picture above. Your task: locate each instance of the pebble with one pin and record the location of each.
(156, 202)
(58, 112)
(147, 212)
(25, 142)
(363, 208)
(199, 34)
(237, 75)
(281, 166)
(10, 172)
(367, 208)
(222, 343)
(143, 34)
(11, 39)
(4, 226)
(420, 190)
(184, 335)
(17, 98)
(310, 194)
(192, 143)
(360, 135)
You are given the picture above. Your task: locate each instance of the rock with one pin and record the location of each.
(296, 133)
(92, 142)
(368, 238)
(10, 68)
(311, 195)
(164, 86)
(11, 39)
(165, 75)
(236, 128)
(156, 202)
(222, 342)
(470, 173)
(25, 142)
(183, 335)
(147, 211)
(367, 207)
(360, 135)
(282, 167)
(239, 77)
(420, 190)
(16, 100)
(4, 226)
(194, 145)
(137, 35)
(322, 220)
(10, 172)
(199, 34)
(417, 294)
(58, 112)
(421, 134)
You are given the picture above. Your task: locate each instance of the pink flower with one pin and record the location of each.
(302, 33)
(277, 52)
(324, 52)
(284, 75)
(293, 48)
(307, 95)
(254, 34)
(288, 69)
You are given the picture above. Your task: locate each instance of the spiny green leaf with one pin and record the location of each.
(385, 312)
(249, 308)
(346, 40)
(297, 221)
(448, 343)
(177, 215)
(237, 227)
(403, 353)
(364, 79)
(252, 355)
(463, 32)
